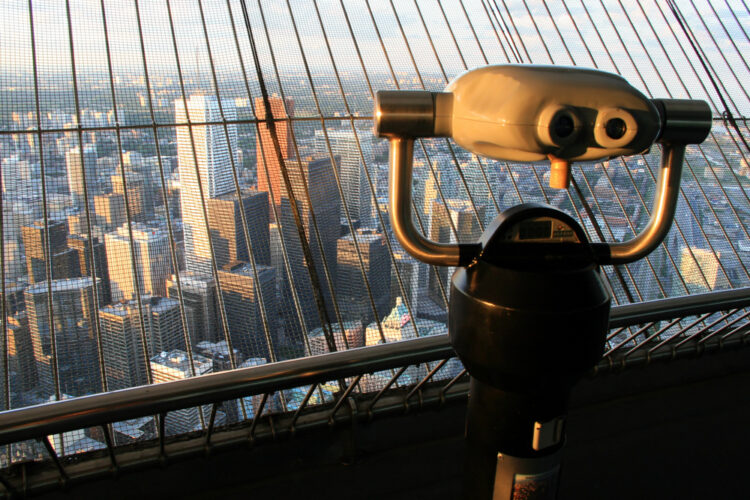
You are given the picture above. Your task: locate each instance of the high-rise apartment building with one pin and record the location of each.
(241, 294)
(353, 292)
(152, 261)
(352, 175)
(228, 232)
(74, 163)
(267, 161)
(122, 337)
(64, 260)
(201, 306)
(72, 317)
(212, 174)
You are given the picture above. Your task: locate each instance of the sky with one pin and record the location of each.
(290, 48)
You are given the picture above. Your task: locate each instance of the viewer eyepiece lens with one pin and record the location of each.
(564, 126)
(616, 128)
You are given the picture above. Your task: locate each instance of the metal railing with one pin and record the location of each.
(641, 333)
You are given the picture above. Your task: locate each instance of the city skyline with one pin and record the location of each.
(152, 265)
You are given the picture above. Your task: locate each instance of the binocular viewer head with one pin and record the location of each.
(531, 113)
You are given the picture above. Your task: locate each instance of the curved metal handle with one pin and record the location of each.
(399, 205)
(662, 213)
(683, 122)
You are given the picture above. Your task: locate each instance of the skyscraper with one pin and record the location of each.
(228, 233)
(110, 210)
(152, 260)
(405, 279)
(86, 265)
(267, 162)
(352, 290)
(354, 183)
(73, 316)
(324, 205)
(201, 306)
(73, 161)
(240, 292)
(64, 261)
(122, 338)
(140, 198)
(212, 152)
(21, 352)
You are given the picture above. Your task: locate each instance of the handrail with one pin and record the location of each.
(61, 416)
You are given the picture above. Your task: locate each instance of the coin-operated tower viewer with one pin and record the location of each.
(529, 311)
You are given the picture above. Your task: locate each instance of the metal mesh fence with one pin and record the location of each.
(191, 187)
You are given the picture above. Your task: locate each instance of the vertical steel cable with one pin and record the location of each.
(669, 93)
(170, 232)
(539, 33)
(47, 249)
(285, 256)
(199, 182)
(736, 20)
(721, 52)
(615, 269)
(515, 28)
(493, 16)
(473, 31)
(713, 103)
(334, 169)
(484, 57)
(4, 306)
(272, 196)
(421, 141)
(84, 182)
(578, 31)
(465, 66)
(447, 141)
(625, 166)
(706, 63)
(686, 160)
(315, 281)
(128, 218)
(406, 299)
(395, 80)
(365, 279)
(559, 35)
(729, 36)
(627, 170)
(243, 216)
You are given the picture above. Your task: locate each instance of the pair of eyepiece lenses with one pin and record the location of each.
(564, 126)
